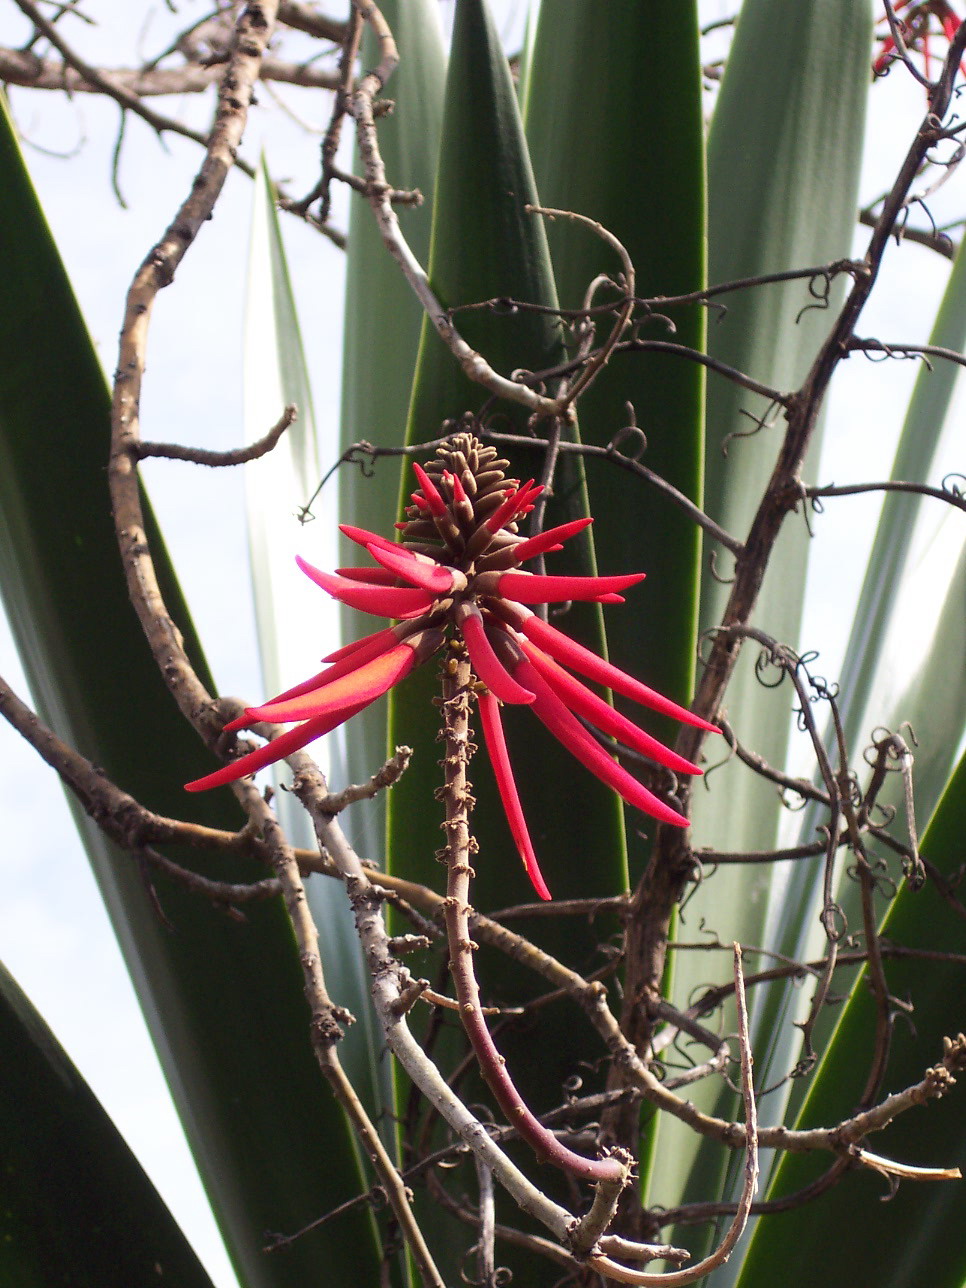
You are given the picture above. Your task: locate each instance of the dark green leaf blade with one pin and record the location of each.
(223, 1000)
(484, 245)
(75, 1205)
(917, 1236)
(649, 59)
(784, 155)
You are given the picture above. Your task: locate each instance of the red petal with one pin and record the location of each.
(485, 662)
(434, 577)
(277, 749)
(530, 588)
(512, 506)
(363, 538)
(434, 501)
(567, 729)
(372, 576)
(359, 654)
(600, 713)
(383, 601)
(503, 772)
(546, 541)
(346, 649)
(495, 522)
(587, 663)
(363, 684)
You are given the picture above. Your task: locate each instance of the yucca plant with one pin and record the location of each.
(586, 334)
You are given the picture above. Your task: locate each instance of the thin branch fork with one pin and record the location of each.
(326, 1031)
(104, 82)
(749, 1186)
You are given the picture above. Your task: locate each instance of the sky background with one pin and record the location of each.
(54, 935)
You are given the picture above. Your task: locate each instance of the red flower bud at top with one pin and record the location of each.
(548, 539)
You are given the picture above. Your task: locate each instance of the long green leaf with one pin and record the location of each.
(927, 426)
(891, 675)
(484, 245)
(75, 1205)
(296, 624)
(916, 1238)
(783, 163)
(382, 326)
(648, 57)
(223, 1000)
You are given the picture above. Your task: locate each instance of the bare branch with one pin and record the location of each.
(238, 456)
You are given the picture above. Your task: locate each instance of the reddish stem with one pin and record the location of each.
(460, 845)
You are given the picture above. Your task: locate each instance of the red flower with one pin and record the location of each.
(456, 571)
(916, 29)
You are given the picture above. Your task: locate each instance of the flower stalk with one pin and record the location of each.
(458, 683)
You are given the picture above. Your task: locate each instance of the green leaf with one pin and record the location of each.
(75, 1205)
(382, 326)
(485, 244)
(927, 426)
(648, 57)
(784, 152)
(223, 1000)
(891, 676)
(296, 624)
(915, 1237)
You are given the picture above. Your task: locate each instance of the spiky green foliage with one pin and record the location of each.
(609, 123)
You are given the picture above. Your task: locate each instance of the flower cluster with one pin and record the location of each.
(456, 573)
(917, 30)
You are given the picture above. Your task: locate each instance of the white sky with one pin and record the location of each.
(54, 935)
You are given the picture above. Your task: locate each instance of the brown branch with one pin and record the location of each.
(955, 498)
(389, 774)
(305, 17)
(157, 271)
(103, 83)
(938, 241)
(26, 69)
(237, 456)
(724, 1250)
(889, 349)
(612, 453)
